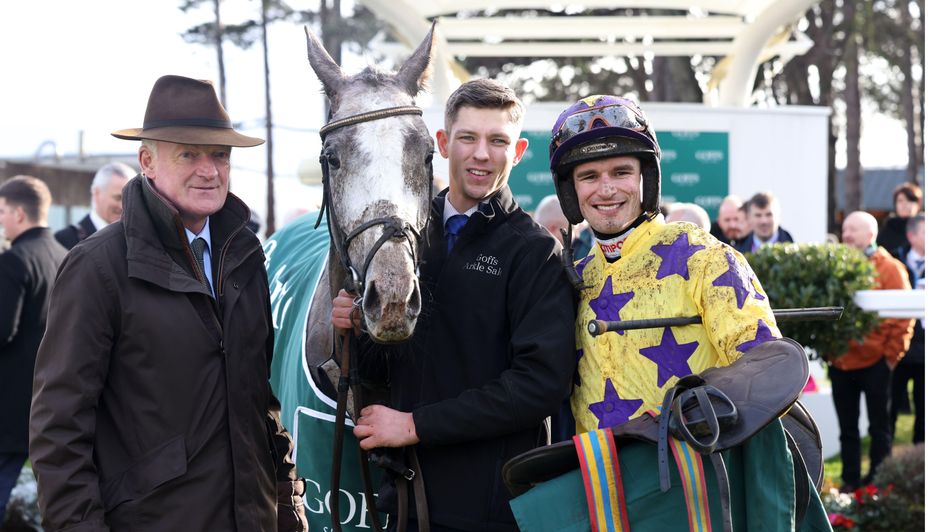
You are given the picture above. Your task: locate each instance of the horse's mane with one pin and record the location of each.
(372, 76)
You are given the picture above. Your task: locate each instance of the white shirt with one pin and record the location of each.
(97, 220)
(207, 266)
(449, 211)
(912, 261)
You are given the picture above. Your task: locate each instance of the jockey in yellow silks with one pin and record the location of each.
(605, 164)
(605, 160)
(663, 270)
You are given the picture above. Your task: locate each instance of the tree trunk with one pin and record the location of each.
(330, 14)
(833, 224)
(218, 38)
(663, 88)
(270, 178)
(908, 97)
(853, 178)
(920, 38)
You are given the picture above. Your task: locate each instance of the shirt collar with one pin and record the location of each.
(449, 211)
(204, 234)
(97, 220)
(759, 242)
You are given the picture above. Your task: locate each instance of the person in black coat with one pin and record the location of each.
(492, 353)
(907, 199)
(27, 272)
(106, 204)
(912, 365)
(731, 223)
(764, 218)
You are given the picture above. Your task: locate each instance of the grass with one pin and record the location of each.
(903, 439)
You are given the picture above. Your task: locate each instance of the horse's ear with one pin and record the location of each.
(324, 66)
(416, 72)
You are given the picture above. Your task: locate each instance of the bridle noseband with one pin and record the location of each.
(393, 227)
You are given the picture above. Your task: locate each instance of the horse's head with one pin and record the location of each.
(378, 172)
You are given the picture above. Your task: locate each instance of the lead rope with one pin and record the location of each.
(337, 447)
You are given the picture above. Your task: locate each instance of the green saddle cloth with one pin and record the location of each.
(295, 257)
(761, 482)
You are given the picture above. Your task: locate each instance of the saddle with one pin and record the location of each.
(713, 411)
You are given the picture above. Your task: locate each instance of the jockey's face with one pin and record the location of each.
(482, 146)
(608, 192)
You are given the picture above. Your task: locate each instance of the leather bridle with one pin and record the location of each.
(392, 228)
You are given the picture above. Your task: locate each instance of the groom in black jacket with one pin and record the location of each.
(493, 350)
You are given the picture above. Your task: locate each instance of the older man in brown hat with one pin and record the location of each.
(151, 402)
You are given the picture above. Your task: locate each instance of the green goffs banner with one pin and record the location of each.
(695, 169)
(295, 257)
(761, 482)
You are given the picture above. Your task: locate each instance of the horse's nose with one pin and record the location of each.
(371, 303)
(413, 302)
(392, 311)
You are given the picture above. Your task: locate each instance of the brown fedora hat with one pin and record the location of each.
(186, 111)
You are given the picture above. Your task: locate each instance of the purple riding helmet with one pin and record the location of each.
(597, 127)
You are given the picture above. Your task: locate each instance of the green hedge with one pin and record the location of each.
(817, 275)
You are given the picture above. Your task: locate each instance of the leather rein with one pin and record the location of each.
(392, 228)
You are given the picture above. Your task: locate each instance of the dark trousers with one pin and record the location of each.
(900, 380)
(847, 387)
(10, 466)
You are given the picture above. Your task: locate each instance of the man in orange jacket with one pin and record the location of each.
(867, 366)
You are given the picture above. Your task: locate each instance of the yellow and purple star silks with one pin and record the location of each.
(664, 271)
(603, 485)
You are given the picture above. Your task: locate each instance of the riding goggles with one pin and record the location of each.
(616, 115)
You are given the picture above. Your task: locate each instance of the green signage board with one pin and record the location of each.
(694, 167)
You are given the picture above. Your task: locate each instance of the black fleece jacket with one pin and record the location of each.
(492, 356)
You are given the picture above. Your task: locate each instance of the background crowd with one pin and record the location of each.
(879, 367)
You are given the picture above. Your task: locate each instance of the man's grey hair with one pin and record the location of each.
(549, 211)
(151, 146)
(107, 172)
(689, 212)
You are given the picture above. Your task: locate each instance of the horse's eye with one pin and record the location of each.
(333, 159)
(429, 159)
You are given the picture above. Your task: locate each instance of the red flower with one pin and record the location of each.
(840, 520)
(888, 490)
(858, 494)
(871, 490)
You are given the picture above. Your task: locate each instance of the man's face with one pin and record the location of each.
(732, 221)
(10, 216)
(482, 147)
(608, 192)
(917, 238)
(857, 233)
(108, 199)
(193, 178)
(763, 221)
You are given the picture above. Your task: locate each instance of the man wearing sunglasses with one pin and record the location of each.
(605, 162)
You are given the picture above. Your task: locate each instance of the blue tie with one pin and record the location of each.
(453, 226)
